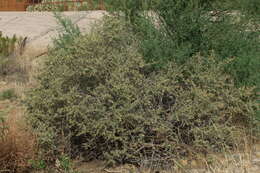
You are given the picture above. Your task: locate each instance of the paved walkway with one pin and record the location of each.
(41, 27)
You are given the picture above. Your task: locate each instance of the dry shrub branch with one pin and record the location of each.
(17, 143)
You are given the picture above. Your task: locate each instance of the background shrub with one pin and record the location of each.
(96, 100)
(186, 27)
(178, 29)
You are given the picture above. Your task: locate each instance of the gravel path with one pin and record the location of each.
(41, 27)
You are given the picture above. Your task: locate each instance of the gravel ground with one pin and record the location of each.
(41, 27)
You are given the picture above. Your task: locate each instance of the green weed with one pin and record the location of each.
(8, 94)
(38, 164)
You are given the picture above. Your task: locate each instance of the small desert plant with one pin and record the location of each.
(7, 47)
(8, 94)
(64, 164)
(96, 98)
(10, 49)
(38, 164)
(68, 34)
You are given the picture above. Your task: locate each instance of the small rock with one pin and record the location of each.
(257, 154)
(237, 157)
(254, 169)
(183, 162)
(256, 162)
(197, 171)
(2, 83)
(197, 164)
(193, 164)
(257, 147)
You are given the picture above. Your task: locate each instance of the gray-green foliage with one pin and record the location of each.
(96, 100)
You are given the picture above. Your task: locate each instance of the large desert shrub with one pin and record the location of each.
(96, 100)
